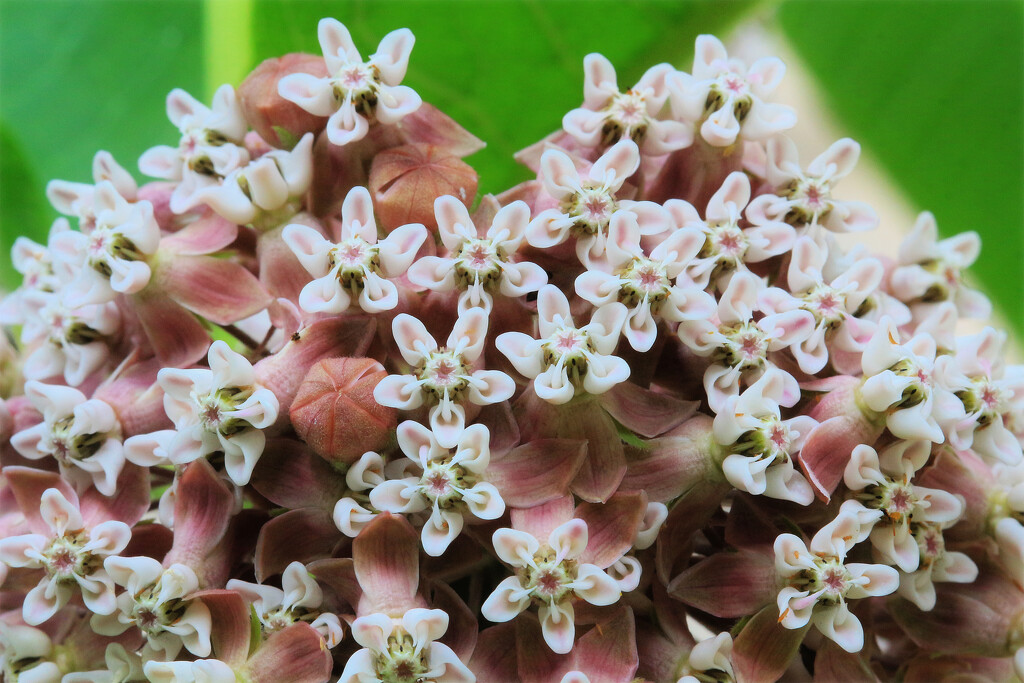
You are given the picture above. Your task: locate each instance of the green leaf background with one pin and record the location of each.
(932, 89)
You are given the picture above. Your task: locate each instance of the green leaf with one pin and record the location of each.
(23, 210)
(507, 70)
(83, 76)
(933, 91)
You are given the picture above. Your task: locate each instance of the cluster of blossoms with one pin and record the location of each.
(307, 409)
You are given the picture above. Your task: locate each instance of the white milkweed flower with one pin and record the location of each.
(404, 649)
(156, 601)
(725, 99)
(450, 483)
(350, 512)
(819, 581)
(71, 555)
(587, 204)
(355, 94)
(609, 115)
(568, 359)
(26, 655)
(710, 660)
(83, 436)
(298, 599)
(220, 409)
(478, 265)
(649, 285)
(762, 445)
(198, 671)
(803, 197)
(78, 199)
(909, 384)
(930, 270)
(550, 575)
(211, 146)
(443, 378)
(357, 268)
(883, 482)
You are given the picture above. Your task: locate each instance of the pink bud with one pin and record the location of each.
(335, 412)
(406, 180)
(272, 116)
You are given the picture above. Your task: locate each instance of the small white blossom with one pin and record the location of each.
(156, 601)
(710, 660)
(450, 483)
(804, 197)
(649, 285)
(567, 359)
(298, 599)
(443, 378)
(211, 145)
(405, 649)
(478, 265)
(198, 671)
(83, 436)
(587, 204)
(930, 270)
(819, 581)
(550, 574)
(72, 556)
(220, 409)
(761, 444)
(609, 115)
(26, 655)
(355, 94)
(356, 268)
(883, 482)
(909, 384)
(78, 199)
(724, 99)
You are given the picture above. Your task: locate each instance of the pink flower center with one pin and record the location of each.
(568, 341)
(353, 78)
(438, 483)
(734, 84)
(548, 582)
(780, 437)
(351, 253)
(834, 580)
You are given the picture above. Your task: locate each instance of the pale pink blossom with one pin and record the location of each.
(1006, 516)
(78, 199)
(265, 191)
(739, 345)
(883, 482)
(198, 671)
(937, 564)
(609, 115)
(121, 666)
(112, 257)
(728, 246)
(761, 445)
(355, 94)
(478, 266)
(83, 436)
(725, 100)
(443, 378)
(66, 340)
(550, 574)
(819, 581)
(356, 269)
(587, 204)
(27, 654)
(650, 285)
(993, 393)
(931, 270)
(298, 599)
(41, 271)
(804, 197)
(351, 514)
(834, 303)
(211, 145)
(156, 601)
(907, 383)
(405, 648)
(71, 555)
(566, 359)
(710, 659)
(220, 409)
(450, 483)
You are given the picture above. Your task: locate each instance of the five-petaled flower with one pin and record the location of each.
(357, 268)
(567, 359)
(478, 266)
(443, 378)
(355, 94)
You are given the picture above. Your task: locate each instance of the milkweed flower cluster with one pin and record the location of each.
(306, 408)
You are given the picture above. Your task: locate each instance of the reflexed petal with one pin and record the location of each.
(506, 602)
